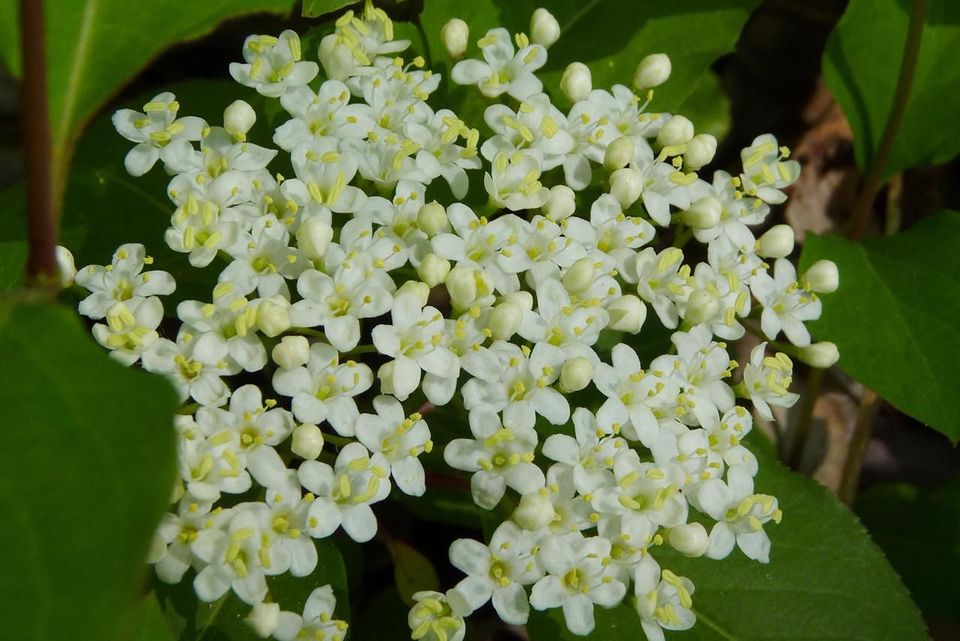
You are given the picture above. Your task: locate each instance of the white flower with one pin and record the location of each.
(154, 131)
(283, 524)
(324, 113)
(766, 381)
(740, 515)
(503, 69)
(209, 216)
(121, 281)
(499, 455)
(433, 619)
(273, 64)
(324, 390)
(663, 600)
(316, 622)
(661, 279)
(514, 181)
(264, 260)
(590, 455)
(498, 571)
(765, 170)
(343, 493)
(195, 372)
(224, 329)
(177, 534)
(400, 439)
(131, 328)
(578, 577)
(785, 304)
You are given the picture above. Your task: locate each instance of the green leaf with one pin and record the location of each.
(906, 289)
(412, 571)
(223, 620)
(612, 36)
(86, 468)
(152, 626)
(825, 580)
(919, 530)
(95, 46)
(861, 65)
(316, 8)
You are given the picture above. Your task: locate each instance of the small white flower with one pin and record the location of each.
(503, 69)
(121, 281)
(662, 600)
(433, 619)
(316, 622)
(131, 328)
(154, 131)
(400, 439)
(272, 64)
(766, 381)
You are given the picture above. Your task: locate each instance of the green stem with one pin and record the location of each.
(361, 349)
(426, 42)
(850, 480)
(801, 433)
(874, 178)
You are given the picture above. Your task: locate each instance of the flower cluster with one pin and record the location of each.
(360, 303)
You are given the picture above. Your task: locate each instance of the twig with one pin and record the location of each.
(874, 178)
(811, 392)
(869, 403)
(41, 228)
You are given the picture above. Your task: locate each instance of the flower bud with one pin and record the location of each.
(313, 238)
(627, 314)
(690, 539)
(822, 277)
(652, 71)
(700, 151)
(291, 351)
(66, 266)
(576, 83)
(822, 355)
(433, 270)
(626, 186)
(579, 275)
(336, 57)
(619, 154)
(307, 441)
(703, 213)
(414, 288)
(701, 307)
(777, 242)
(505, 320)
(455, 36)
(273, 315)
(544, 28)
(522, 299)
(677, 131)
(432, 218)
(561, 203)
(535, 510)
(466, 285)
(264, 619)
(576, 374)
(238, 118)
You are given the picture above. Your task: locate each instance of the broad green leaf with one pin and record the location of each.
(611, 36)
(894, 317)
(412, 571)
(86, 468)
(151, 625)
(708, 107)
(861, 64)
(316, 8)
(919, 530)
(223, 620)
(95, 46)
(826, 580)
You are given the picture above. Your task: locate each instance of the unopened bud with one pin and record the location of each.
(336, 57)
(619, 154)
(576, 374)
(307, 441)
(466, 285)
(700, 151)
(561, 203)
(505, 320)
(522, 299)
(420, 291)
(455, 36)
(238, 118)
(313, 238)
(704, 213)
(652, 71)
(626, 185)
(544, 28)
(777, 242)
(66, 267)
(264, 619)
(822, 355)
(433, 270)
(701, 307)
(291, 351)
(535, 510)
(822, 277)
(432, 218)
(273, 315)
(677, 131)
(580, 275)
(576, 83)
(627, 314)
(690, 539)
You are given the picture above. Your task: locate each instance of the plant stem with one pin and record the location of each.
(41, 265)
(802, 432)
(849, 482)
(874, 178)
